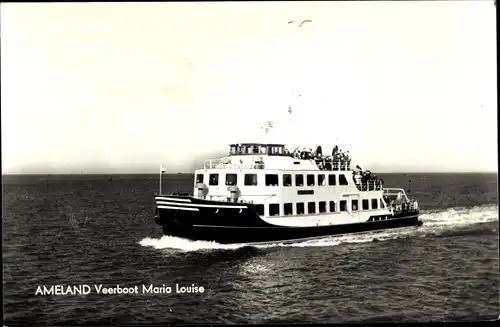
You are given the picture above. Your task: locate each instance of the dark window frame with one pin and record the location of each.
(343, 180)
(333, 205)
(274, 209)
(268, 183)
(300, 208)
(310, 180)
(288, 209)
(198, 179)
(332, 178)
(310, 205)
(299, 180)
(354, 202)
(321, 180)
(322, 206)
(365, 204)
(374, 201)
(285, 177)
(246, 180)
(343, 205)
(211, 177)
(235, 179)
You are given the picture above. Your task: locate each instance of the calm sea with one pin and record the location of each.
(65, 230)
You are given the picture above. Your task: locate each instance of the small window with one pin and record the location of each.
(310, 180)
(287, 180)
(354, 205)
(199, 178)
(365, 204)
(332, 180)
(250, 179)
(259, 208)
(342, 180)
(332, 206)
(274, 209)
(231, 179)
(288, 209)
(214, 179)
(299, 180)
(321, 180)
(300, 208)
(311, 207)
(343, 205)
(271, 180)
(322, 206)
(382, 204)
(374, 204)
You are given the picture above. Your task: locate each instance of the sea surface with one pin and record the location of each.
(99, 230)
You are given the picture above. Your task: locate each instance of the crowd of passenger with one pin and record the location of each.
(304, 153)
(367, 178)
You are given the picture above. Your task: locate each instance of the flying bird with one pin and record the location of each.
(305, 21)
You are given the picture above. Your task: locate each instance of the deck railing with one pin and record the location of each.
(403, 206)
(222, 164)
(370, 185)
(333, 165)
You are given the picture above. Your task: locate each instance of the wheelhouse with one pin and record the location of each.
(257, 149)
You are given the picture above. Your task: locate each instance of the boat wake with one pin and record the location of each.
(435, 223)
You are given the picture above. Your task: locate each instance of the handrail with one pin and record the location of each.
(322, 164)
(219, 164)
(333, 165)
(403, 206)
(370, 185)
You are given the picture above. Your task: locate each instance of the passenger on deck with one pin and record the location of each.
(357, 178)
(296, 154)
(319, 152)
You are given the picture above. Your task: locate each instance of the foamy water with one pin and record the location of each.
(434, 223)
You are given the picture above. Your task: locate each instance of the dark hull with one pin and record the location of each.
(227, 223)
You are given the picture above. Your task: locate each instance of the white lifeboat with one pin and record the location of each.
(233, 193)
(201, 190)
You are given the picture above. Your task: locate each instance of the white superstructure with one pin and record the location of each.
(290, 190)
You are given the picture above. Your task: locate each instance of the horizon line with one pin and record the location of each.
(192, 173)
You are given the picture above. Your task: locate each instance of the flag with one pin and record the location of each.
(162, 169)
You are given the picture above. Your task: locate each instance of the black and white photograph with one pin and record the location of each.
(173, 163)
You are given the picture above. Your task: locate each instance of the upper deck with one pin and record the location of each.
(277, 157)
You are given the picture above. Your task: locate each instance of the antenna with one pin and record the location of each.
(296, 97)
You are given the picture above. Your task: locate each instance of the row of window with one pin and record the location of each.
(273, 179)
(274, 208)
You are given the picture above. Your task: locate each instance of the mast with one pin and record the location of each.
(298, 26)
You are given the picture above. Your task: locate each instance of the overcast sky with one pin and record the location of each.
(123, 87)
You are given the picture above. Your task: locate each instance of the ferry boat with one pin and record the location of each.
(263, 193)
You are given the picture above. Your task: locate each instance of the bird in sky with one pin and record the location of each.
(302, 23)
(305, 21)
